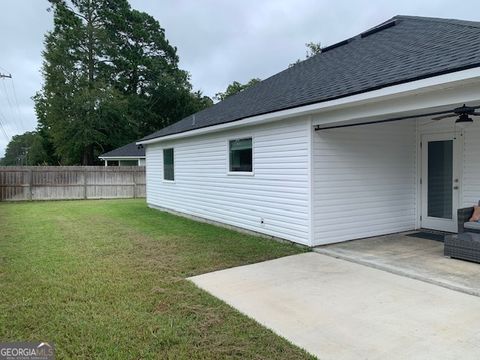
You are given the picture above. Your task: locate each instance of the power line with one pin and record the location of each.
(18, 115)
(4, 132)
(10, 105)
(18, 106)
(3, 128)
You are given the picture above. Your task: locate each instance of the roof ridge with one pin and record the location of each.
(460, 22)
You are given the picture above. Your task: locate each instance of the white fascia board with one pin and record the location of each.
(410, 88)
(121, 157)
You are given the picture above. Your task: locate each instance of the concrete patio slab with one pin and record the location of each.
(337, 309)
(416, 258)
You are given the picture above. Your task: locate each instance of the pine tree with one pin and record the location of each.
(110, 77)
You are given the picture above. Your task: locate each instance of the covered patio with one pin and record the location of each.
(410, 256)
(407, 162)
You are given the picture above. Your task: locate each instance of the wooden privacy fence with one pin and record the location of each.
(21, 183)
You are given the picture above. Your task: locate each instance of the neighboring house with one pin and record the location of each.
(127, 155)
(341, 146)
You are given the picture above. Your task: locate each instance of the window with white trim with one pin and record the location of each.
(241, 155)
(168, 165)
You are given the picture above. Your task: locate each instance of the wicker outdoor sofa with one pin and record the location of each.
(465, 245)
(463, 224)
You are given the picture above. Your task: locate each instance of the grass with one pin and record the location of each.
(106, 279)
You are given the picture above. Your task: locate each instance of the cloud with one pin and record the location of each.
(22, 25)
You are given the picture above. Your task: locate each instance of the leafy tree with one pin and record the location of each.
(198, 102)
(313, 49)
(235, 88)
(110, 77)
(25, 149)
(45, 140)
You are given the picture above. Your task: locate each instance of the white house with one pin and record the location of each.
(344, 145)
(127, 155)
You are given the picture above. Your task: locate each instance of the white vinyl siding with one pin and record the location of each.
(364, 181)
(471, 165)
(277, 192)
(128, 162)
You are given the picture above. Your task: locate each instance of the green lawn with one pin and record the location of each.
(106, 279)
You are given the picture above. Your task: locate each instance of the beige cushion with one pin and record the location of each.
(476, 214)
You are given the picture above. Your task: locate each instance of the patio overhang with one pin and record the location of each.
(425, 103)
(381, 120)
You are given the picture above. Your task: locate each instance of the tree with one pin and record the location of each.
(110, 77)
(158, 93)
(75, 95)
(235, 88)
(25, 149)
(313, 49)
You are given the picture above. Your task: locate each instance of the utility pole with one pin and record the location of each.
(4, 76)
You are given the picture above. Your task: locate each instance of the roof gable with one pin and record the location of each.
(402, 49)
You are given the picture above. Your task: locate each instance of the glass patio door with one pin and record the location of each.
(440, 182)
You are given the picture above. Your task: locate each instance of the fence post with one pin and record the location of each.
(85, 183)
(134, 184)
(30, 181)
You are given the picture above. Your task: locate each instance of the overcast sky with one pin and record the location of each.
(218, 41)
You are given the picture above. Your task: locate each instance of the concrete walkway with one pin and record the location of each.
(337, 309)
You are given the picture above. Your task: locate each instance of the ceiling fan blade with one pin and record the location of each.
(444, 117)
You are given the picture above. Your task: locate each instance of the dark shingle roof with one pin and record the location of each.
(126, 150)
(412, 49)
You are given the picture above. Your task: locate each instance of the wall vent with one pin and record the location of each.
(378, 28)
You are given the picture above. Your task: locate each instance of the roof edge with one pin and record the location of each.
(122, 157)
(147, 140)
(458, 22)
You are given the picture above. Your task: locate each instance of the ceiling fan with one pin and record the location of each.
(463, 113)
